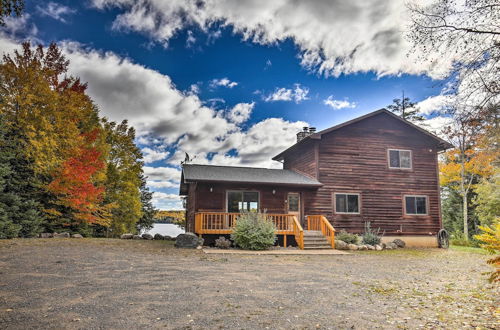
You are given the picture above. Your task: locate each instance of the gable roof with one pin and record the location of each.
(234, 174)
(442, 144)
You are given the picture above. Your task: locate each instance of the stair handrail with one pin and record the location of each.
(328, 230)
(298, 232)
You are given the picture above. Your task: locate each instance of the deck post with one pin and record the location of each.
(284, 240)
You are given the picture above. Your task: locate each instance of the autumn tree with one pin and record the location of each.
(470, 161)
(123, 177)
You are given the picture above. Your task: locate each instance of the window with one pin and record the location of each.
(238, 201)
(293, 202)
(416, 205)
(399, 158)
(347, 203)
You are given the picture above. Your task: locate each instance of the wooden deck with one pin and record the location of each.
(222, 223)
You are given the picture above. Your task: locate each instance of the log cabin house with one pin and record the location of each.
(378, 168)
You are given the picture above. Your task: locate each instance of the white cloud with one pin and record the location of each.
(55, 10)
(241, 112)
(436, 125)
(297, 94)
(162, 173)
(338, 104)
(333, 36)
(150, 155)
(224, 82)
(438, 103)
(163, 184)
(190, 40)
(166, 201)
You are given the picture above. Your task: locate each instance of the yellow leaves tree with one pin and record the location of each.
(491, 242)
(471, 160)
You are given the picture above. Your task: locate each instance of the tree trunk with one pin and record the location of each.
(465, 211)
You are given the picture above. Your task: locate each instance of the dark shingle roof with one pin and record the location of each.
(212, 173)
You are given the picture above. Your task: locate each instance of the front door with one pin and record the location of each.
(293, 205)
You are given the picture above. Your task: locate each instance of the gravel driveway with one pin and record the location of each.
(105, 283)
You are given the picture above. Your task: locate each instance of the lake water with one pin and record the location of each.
(165, 229)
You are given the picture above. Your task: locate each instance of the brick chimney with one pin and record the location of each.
(305, 133)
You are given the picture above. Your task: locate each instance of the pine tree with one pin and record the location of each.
(19, 212)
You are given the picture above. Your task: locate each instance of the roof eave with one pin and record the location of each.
(295, 184)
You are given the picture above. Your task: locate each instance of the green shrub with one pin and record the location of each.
(371, 236)
(347, 237)
(254, 231)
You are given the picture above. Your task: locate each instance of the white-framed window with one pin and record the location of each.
(416, 204)
(239, 200)
(346, 203)
(400, 159)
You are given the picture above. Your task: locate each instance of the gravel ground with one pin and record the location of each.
(105, 283)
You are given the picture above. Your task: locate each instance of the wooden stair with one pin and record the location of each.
(314, 240)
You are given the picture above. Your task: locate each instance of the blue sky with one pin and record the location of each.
(228, 83)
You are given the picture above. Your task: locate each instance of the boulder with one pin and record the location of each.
(127, 236)
(383, 245)
(159, 237)
(341, 245)
(362, 247)
(399, 242)
(136, 237)
(46, 235)
(76, 236)
(62, 235)
(168, 238)
(391, 246)
(147, 236)
(378, 247)
(188, 241)
(370, 247)
(352, 247)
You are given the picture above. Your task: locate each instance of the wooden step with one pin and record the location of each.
(317, 247)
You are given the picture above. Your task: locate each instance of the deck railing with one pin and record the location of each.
(319, 222)
(221, 223)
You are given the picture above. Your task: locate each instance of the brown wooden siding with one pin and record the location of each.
(303, 159)
(215, 200)
(354, 159)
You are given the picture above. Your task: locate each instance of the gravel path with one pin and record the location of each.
(101, 283)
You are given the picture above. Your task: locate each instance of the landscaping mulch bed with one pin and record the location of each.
(106, 283)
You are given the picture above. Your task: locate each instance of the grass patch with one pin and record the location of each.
(468, 249)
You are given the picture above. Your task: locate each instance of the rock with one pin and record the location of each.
(199, 247)
(188, 241)
(383, 245)
(362, 247)
(352, 247)
(159, 237)
(62, 235)
(136, 237)
(341, 245)
(399, 242)
(391, 246)
(168, 238)
(378, 247)
(127, 236)
(46, 235)
(76, 236)
(370, 247)
(147, 236)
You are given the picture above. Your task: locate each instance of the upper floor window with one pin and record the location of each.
(399, 158)
(416, 205)
(346, 203)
